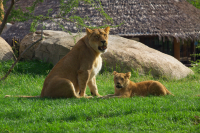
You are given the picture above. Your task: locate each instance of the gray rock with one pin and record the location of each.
(122, 53)
(132, 55)
(54, 46)
(6, 52)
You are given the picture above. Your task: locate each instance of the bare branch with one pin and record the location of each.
(6, 16)
(3, 78)
(13, 65)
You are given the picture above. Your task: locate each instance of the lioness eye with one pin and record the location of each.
(105, 35)
(122, 79)
(97, 36)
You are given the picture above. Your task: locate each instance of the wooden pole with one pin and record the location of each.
(176, 49)
(193, 58)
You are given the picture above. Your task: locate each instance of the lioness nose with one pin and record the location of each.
(103, 42)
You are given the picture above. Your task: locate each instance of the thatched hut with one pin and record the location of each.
(170, 26)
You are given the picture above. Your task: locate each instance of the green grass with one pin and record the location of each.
(180, 113)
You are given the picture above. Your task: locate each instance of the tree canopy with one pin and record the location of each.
(195, 3)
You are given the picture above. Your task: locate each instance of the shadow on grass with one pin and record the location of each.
(16, 114)
(34, 98)
(34, 67)
(98, 114)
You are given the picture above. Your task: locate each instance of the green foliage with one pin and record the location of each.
(16, 52)
(179, 113)
(27, 67)
(195, 3)
(135, 73)
(34, 24)
(196, 64)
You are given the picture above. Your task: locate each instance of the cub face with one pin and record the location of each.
(121, 80)
(98, 39)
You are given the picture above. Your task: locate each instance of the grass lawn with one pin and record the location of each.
(179, 113)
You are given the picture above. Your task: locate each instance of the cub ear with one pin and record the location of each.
(114, 73)
(128, 75)
(88, 31)
(107, 29)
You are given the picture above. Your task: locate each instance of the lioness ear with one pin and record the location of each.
(107, 29)
(128, 75)
(114, 73)
(88, 31)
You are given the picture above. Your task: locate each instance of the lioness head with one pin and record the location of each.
(98, 39)
(121, 80)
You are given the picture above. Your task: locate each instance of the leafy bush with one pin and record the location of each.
(27, 67)
(195, 3)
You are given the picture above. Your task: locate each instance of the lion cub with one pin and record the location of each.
(126, 88)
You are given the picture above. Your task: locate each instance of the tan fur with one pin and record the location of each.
(78, 68)
(126, 88)
(2, 10)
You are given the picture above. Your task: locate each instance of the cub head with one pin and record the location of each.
(98, 39)
(121, 80)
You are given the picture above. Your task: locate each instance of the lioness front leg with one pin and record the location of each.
(93, 87)
(82, 82)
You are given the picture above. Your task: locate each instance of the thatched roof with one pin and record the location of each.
(171, 18)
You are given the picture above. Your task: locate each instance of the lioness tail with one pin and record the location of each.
(169, 93)
(22, 96)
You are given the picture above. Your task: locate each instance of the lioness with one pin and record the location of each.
(126, 88)
(78, 68)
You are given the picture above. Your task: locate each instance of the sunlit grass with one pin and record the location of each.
(179, 113)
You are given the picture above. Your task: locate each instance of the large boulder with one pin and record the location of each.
(122, 54)
(54, 46)
(6, 52)
(125, 54)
